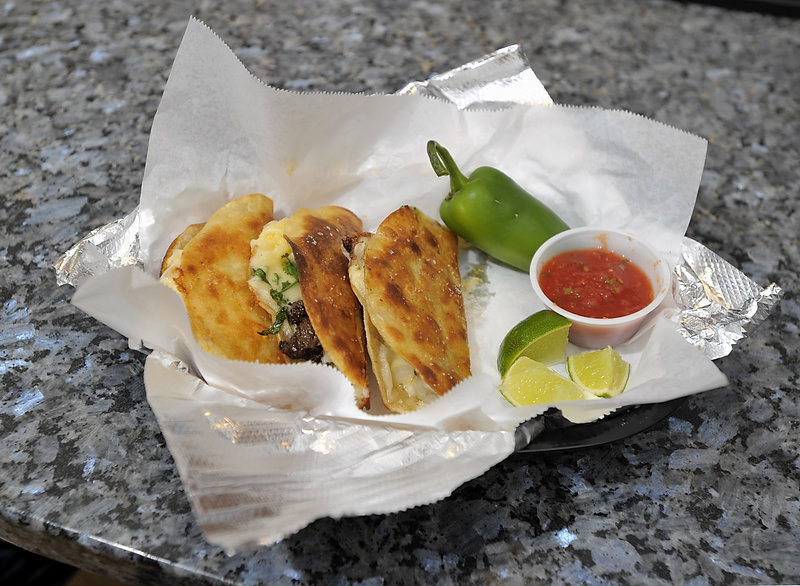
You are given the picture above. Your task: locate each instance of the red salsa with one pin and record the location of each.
(594, 282)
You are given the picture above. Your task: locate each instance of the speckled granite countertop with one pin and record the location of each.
(709, 495)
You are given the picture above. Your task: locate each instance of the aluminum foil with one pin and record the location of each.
(108, 247)
(492, 82)
(718, 303)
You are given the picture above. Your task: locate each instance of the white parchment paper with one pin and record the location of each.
(256, 470)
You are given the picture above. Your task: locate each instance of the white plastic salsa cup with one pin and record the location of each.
(591, 332)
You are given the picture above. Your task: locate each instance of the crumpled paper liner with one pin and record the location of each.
(255, 472)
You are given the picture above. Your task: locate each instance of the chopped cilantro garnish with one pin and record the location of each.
(261, 274)
(280, 317)
(277, 287)
(290, 267)
(279, 297)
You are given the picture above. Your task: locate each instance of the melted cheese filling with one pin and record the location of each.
(267, 253)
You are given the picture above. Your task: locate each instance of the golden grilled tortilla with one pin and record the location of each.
(171, 265)
(312, 241)
(211, 275)
(407, 278)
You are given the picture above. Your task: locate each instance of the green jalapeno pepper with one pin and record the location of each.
(492, 212)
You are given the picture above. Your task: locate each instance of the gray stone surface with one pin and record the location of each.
(709, 495)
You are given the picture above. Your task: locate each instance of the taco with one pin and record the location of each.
(299, 277)
(406, 276)
(208, 265)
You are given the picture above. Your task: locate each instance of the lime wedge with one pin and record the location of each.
(602, 372)
(529, 382)
(541, 337)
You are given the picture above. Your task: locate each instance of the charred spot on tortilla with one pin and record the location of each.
(395, 295)
(213, 269)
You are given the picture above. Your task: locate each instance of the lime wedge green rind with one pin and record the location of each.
(602, 372)
(529, 382)
(541, 336)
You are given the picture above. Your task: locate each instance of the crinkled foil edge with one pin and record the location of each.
(718, 304)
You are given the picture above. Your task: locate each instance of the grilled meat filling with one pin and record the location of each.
(303, 344)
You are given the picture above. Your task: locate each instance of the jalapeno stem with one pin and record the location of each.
(443, 164)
